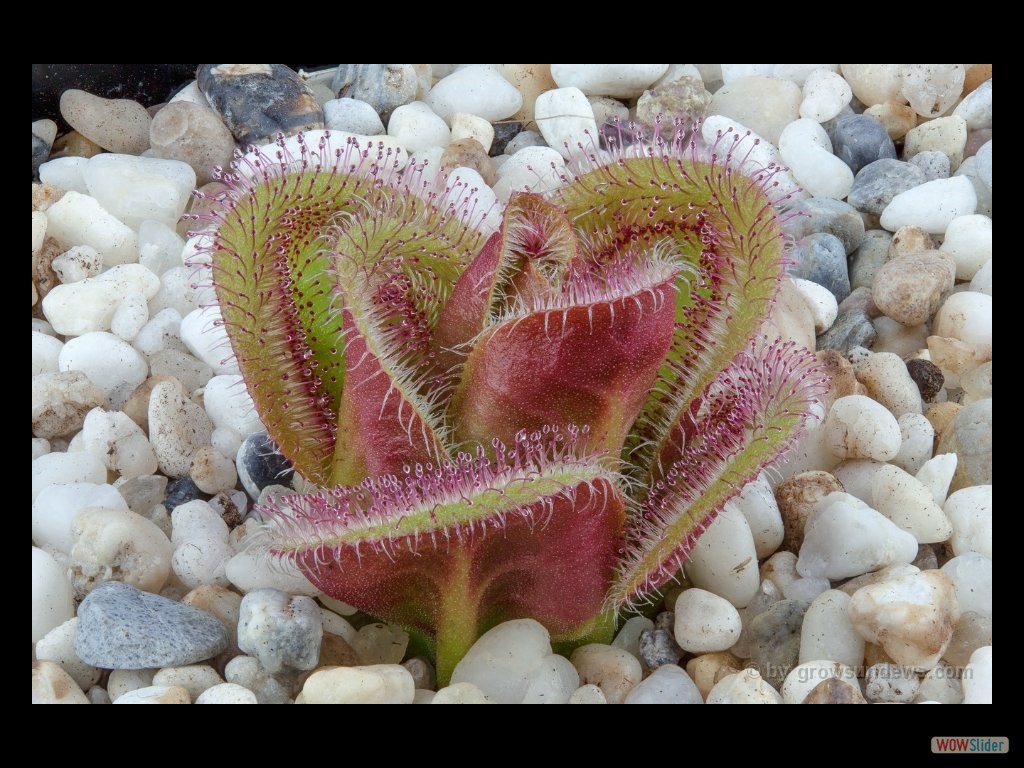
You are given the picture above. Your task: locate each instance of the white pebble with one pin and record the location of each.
(967, 316)
(931, 89)
(972, 579)
(203, 333)
(936, 475)
(160, 247)
(376, 684)
(845, 537)
(553, 681)
(501, 660)
(859, 427)
(827, 633)
(477, 89)
(968, 240)
(459, 693)
(668, 684)
(417, 127)
(888, 381)
(194, 678)
(45, 353)
(91, 303)
(467, 190)
(78, 219)
(975, 109)
(820, 301)
(60, 468)
(65, 172)
(977, 680)
(705, 622)
(118, 545)
(825, 95)
(52, 685)
(622, 81)
(982, 280)
(228, 404)
(467, 126)
(58, 646)
(941, 685)
(160, 333)
(613, 670)
(109, 362)
(177, 428)
(757, 153)
(807, 150)
(917, 436)
(566, 120)
(200, 537)
(52, 598)
(628, 637)
(588, 694)
(282, 631)
(983, 159)
(970, 511)
(255, 568)
(725, 560)
(40, 447)
(211, 471)
(352, 116)
(909, 504)
(538, 169)
(380, 643)
(226, 693)
(890, 683)
(931, 206)
(805, 589)
(226, 441)
(121, 681)
(119, 442)
(155, 694)
(805, 677)
(137, 188)
(77, 263)
(746, 687)
(757, 502)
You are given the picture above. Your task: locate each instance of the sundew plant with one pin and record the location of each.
(527, 415)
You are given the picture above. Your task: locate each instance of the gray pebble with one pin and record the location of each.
(383, 86)
(665, 620)
(121, 627)
(876, 184)
(282, 631)
(821, 258)
(144, 492)
(775, 640)
(859, 140)
(833, 217)
(851, 329)
(932, 163)
(258, 101)
(504, 132)
(869, 258)
(969, 435)
(658, 647)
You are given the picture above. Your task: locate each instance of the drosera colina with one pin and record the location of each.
(535, 416)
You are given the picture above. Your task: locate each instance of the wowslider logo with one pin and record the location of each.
(970, 744)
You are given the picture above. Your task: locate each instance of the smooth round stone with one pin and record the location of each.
(825, 94)
(194, 678)
(615, 671)
(467, 126)
(226, 693)
(766, 105)
(859, 427)
(417, 127)
(534, 168)
(827, 633)
(890, 683)
(851, 329)
(211, 471)
(121, 681)
(804, 678)
(966, 316)
(52, 596)
(805, 147)
(775, 640)
(823, 215)
(229, 405)
(353, 116)
(260, 463)
(258, 101)
(780, 570)
(859, 140)
(121, 627)
(976, 108)
(566, 120)
(797, 497)
(970, 170)
(380, 644)
(684, 97)
(832, 690)
(982, 280)
(193, 134)
(867, 260)
(897, 118)
(887, 380)
(874, 83)
(969, 240)
(972, 579)
(476, 89)
(931, 206)
(857, 477)
(820, 301)
(933, 164)
(78, 219)
(117, 125)
(61, 401)
(936, 474)
(177, 427)
(200, 537)
(908, 502)
(256, 568)
(943, 134)
(117, 544)
(381, 86)
(878, 182)
(55, 508)
(757, 503)
(109, 362)
(58, 468)
(77, 264)
(52, 685)
(917, 441)
(977, 680)
(846, 537)
(977, 383)
(91, 303)
(724, 561)
(909, 289)
(705, 622)
(468, 153)
(247, 672)
(628, 637)
(280, 630)
(45, 353)
(120, 442)
(912, 617)
(223, 604)
(588, 694)
(502, 660)
(931, 89)
(746, 151)
(746, 687)
(973, 631)
(156, 694)
(460, 693)
(941, 685)
(970, 512)
(668, 684)
(622, 81)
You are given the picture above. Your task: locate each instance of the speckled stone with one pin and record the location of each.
(658, 647)
(859, 140)
(852, 328)
(383, 86)
(258, 101)
(969, 435)
(877, 183)
(833, 217)
(928, 377)
(775, 640)
(821, 258)
(684, 97)
(121, 627)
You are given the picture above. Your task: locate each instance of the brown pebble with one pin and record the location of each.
(843, 381)
(797, 497)
(42, 267)
(910, 288)
(193, 134)
(117, 125)
(976, 75)
(683, 97)
(74, 144)
(469, 153)
(928, 377)
(974, 141)
(834, 691)
(45, 195)
(908, 240)
(940, 415)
